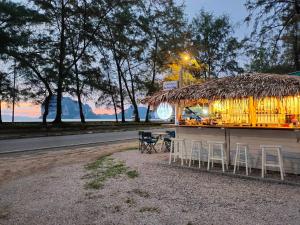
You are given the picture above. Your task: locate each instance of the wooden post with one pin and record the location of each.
(177, 106)
(281, 113)
(252, 111)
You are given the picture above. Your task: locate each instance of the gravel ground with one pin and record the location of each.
(159, 195)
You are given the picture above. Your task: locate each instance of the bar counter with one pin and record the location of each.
(240, 127)
(287, 137)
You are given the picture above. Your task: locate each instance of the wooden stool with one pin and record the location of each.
(196, 147)
(177, 150)
(237, 161)
(264, 163)
(211, 157)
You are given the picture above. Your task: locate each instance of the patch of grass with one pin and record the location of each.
(141, 193)
(98, 163)
(150, 209)
(103, 169)
(132, 174)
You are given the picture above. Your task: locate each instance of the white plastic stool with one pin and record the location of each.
(237, 161)
(196, 147)
(177, 150)
(211, 157)
(264, 163)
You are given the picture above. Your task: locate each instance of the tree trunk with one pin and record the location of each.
(121, 97)
(78, 92)
(296, 47)
(112, 97)
(61, 66)
(119, 70)
(14, 96)
(147, 119)
(120, 88)
(296, 50)
(135, 106)
(46, 108)
(82, 118)
(115, 108)
(136, 112)
(0, 112)
(153, 77)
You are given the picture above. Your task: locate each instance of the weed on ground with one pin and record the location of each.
(132, 174)
(105, 168)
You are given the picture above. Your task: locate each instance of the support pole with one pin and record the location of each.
(252, 111)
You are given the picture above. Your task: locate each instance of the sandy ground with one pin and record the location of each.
(18, 165)
(159, 195)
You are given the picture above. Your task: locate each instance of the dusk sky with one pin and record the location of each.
(233, 8)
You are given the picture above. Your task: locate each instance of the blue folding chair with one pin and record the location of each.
(148, 142)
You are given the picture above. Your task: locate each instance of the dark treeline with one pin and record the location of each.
(115, 51)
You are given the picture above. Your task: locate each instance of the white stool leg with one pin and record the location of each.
(226, 160)
(199, 155)
(280, 163)
(212, 155)
(222, 157)
(262, 162)
(246, 160)
(208, 158)
(239, 159)
(175, 151)
(235, 159)
(192, 147)
(170, 157)
(186, 153)
(181, 152)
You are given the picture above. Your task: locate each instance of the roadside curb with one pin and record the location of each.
(80, 133)
(65, 146)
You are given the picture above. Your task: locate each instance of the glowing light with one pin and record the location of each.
(205, 111)
(218, 105)
(185, 57)
(164, 111)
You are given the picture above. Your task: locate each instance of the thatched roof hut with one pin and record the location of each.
(256, 85)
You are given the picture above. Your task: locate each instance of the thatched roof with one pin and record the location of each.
(257, 85)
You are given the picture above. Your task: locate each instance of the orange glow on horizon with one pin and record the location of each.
(29, 109)
(103, 111)
(22, 109)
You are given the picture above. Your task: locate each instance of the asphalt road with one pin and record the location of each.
(39, 143)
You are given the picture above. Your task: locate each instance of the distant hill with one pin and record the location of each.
(70, 110)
